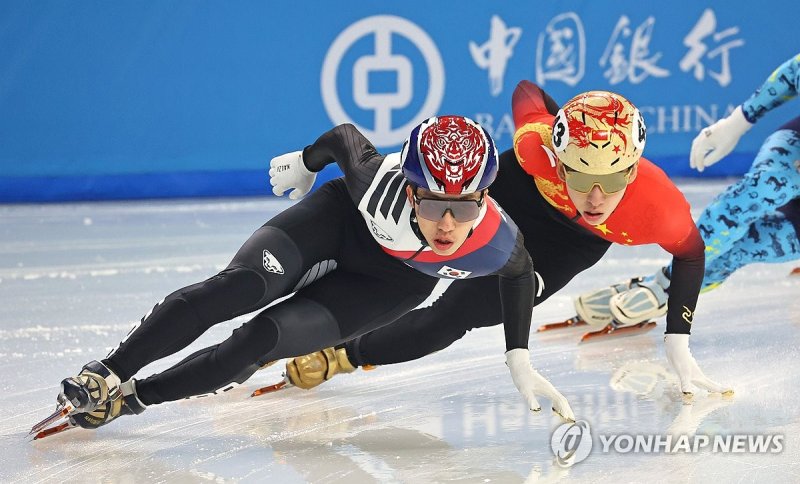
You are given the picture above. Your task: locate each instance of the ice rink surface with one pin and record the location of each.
(74, 278)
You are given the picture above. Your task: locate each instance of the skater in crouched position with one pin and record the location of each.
(575, 183)
(390, 227)
(757, 219)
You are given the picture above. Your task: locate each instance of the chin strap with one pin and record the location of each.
(418, 233)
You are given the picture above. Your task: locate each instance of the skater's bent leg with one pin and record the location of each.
(269, 265)
(771, 182)
(187, 313)
(336, 308)
(294, 326)
(771, 240)
(467, 304)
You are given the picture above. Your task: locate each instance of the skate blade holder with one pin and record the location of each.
(612, 330)
(569, 323)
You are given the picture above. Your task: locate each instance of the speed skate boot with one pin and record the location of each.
(593, 307)
(311, 370)
(645, 300)
(127, 404)
(590, 308)
(93, 387)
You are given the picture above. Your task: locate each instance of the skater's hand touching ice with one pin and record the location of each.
(530, 384)
(288, 172)
(689, 374)
(716, 141)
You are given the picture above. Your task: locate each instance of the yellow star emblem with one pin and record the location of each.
(604, 229)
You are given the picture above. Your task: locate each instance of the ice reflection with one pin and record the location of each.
(325, 441)
(653, 381)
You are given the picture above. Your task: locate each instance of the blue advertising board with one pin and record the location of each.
(109, 100)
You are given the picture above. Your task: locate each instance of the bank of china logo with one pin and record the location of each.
(571, 443)
(271, 263)
(382, 61)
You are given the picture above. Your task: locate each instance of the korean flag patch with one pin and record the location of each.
(454, 273)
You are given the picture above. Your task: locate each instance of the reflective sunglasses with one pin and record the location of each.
(609, 184)
(433, 209)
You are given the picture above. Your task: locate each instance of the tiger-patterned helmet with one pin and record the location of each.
(450, 155)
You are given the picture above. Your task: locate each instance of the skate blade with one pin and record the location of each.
(62, 410)
(610, 330)
(272, 388)
(52, 430)
(569, 323)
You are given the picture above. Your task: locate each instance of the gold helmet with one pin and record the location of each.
(598, 133)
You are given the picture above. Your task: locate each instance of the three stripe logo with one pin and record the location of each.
(388, 189)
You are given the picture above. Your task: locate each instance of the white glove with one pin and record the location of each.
(719, 139)
(288, 172)
(530, 383)
(681, 359)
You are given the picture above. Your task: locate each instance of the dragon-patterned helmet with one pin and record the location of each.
(598, 133)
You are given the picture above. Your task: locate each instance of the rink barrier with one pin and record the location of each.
(240, 183)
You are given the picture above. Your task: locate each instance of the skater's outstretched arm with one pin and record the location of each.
(716, 141)
(781, 86)
(517, 290)
(343, 145)
(688, 268)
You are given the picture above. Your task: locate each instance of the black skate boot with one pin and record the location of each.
(93, 387)
(127, 404)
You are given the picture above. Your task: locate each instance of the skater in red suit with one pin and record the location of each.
(754, 220)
